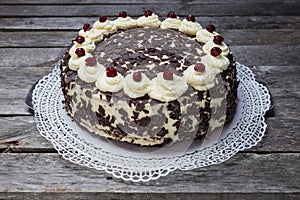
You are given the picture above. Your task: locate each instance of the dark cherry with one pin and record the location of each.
(80, 52)
(218, 39)
(123, 14)
(191, 18)
(171, 15)
(137, 76)
(215, 51)
(199, 67)
(111, 72)
(147, 13)
(210, 28)
(91, 61)
(102, 19)
(80, 39)
(168, 75)
(87, 27)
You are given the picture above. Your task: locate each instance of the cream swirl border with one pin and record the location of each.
(99, 37)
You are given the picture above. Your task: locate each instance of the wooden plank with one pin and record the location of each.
(21, 80)
(282, 81)
(232, 37)
(267, 54)
(282, 127)
(22, 135)
(19, 134)
(38, 57)
(222, 22)
(13, 101)
(259, 54)
(243, 175)
(237, 9)
(152, 196)
(95, 2)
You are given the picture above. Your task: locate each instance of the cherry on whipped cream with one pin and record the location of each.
(191, 18)
(86, 27)
(171, 14)
(147, 13)
(137, 76)
(90, 62)
(102, 19)
(123, 14)
(80, 39)
(199, 67)
(111, 72)
(168, 75)
(218, 39)
(210, 28)
(80, 52)
(215, 51)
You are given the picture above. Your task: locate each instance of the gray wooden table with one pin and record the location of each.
(263, 35)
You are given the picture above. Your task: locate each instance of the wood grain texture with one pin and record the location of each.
(20, 135)
(222, 22)
(281, 80)
(94, 2)
(237, 9)
(262, 34)
(281, 135)
(232, 37)
(259, 54)
(244, 173)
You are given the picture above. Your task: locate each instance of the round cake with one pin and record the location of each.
(147, 81)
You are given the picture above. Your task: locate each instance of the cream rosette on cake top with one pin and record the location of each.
(215, 59)
(167, 86)
(149, 20)
(91, 71)
(85, 30)
(201, 77)
(136, 84)
(81, 42)
(207, 34)
(88, 32)
(217, 41)
(189, 26)
(104, 26)
(78, 59)
(171, 22)
(124, 21)
(111, 81)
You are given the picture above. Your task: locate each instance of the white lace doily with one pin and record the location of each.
(78, 146)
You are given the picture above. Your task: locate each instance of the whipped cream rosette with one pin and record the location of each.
(91, 71)
(216, 60)
(201, 77)
(149, 20)
(189, 26)
(88, 32)
(104, 26)
(125, 22)
(78, 59)
(136, 84)
(206, 34)
(81, 42)
(217, 41)
(171, 22)
(111, 81)
(167, 86)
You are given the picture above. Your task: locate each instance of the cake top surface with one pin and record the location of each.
(148, 56)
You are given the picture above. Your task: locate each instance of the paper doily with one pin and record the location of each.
(77, 146)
